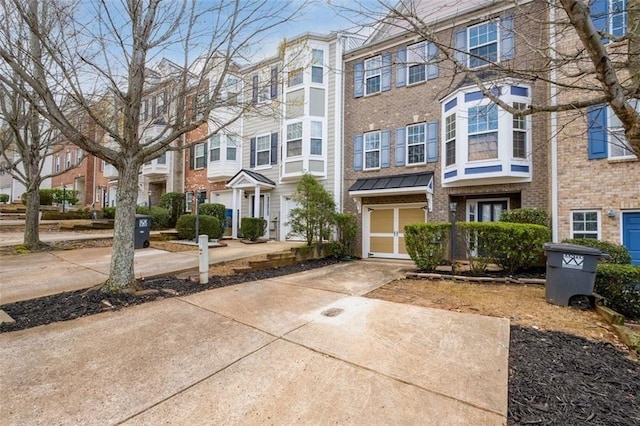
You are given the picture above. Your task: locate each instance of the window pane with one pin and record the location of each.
(263, 158)
(317, 57)
(451, 152)
(295, 77)
(416, 154)
(591, 216)
(316, 74)
(294, 148)
(316, 129)
(372, 159)
(373, 84)
(316, 146)
(294, 131)
(372, 66)
(372, 141)
(417, 73)
(264, 142)
(483, 146)
(162, 159)
(231, 153)
(519, 144)
(451, 127)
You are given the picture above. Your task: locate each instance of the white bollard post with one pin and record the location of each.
(203, 243)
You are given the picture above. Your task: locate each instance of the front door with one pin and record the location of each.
(289, 204)
(631, 235)
(483, 211)
(385, 233)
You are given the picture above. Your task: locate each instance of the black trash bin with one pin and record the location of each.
(143, 228)
(571, 274)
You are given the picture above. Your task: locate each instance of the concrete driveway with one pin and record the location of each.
(278, 351)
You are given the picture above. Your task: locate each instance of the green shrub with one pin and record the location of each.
(46, 197)
(4, 198)
(70, 195)
(175, 203)
(160, 217)
(69, 215)
(617, 254)
(109, 213)
(216, 210)
(533, 216)
(427, 243)
(512, 246)
(253, 227)
(620, 286)
(346, 230)
(208, 225)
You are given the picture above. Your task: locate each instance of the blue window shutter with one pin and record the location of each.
(386, 72)
(274, 82)
(357, 152)
(274, 148)
(432, 57)
(599, 11)
(507, 38)
(206, 153)
(597, 125)
(252, 153)
(401, 67)
(432, 141)
(192, 156)
(401, 146)
(358, 79)
(461, 46)
(385, 148)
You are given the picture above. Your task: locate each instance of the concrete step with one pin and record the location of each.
(12, 216)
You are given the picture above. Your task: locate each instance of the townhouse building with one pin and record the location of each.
(423, 142)
(13, 187)
(595, 173)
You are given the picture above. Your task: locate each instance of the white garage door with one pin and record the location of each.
(384, 229)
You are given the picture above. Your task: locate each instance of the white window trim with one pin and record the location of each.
(485, 132)
(611, 140)
(364, 150)
(526, 131)
(219, 148)
(423, 143)
(322, 139)
(316, 65)
(57, 166)
(598, 233)
(188, 201)
(205, 152)
(495, 22)
(268, 165)
(454, 140)
(422, 63)
(287, 140)
(378, 74)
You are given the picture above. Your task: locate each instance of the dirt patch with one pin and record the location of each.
(523, 305)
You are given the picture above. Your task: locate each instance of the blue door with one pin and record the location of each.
(631, 235)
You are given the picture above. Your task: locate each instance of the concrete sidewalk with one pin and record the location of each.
(300, 349)
(34, 275)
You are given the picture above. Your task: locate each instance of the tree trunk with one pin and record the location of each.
(32, 221)
(121, 273)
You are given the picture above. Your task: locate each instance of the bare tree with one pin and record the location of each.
(95, 57)
(587, 59)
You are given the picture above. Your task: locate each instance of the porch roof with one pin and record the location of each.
(395, 184)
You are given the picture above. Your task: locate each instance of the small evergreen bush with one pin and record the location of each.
(253, 227)
(620, 286)
(512, 246)
(109, 213)
(160, 217)
(4, 198)
(216, 210)
(175, 202)
(427, 243)
(533, 216)
(208, 225)
(46, 197)
(618, 254)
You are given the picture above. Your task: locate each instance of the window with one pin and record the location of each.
(296, 77)
(416, 144)
(254, 89)
(263, 150)
(372, 75)
(609, 16)
(199, 106)
(57, 163)
(144, 110)
(520, 132)
(618, 17)
(450, 140)
(68, 161)
(265, 94)
(316, 138)
(416, 63)
(162, 159)
(188, 201)
(214, 148)
(232, 147)
(199, 157)
(483, 44)
(294, 139)
(317, 67)
(78, 156)
(483, 132)
(372, 150)
(232, 90)
(585, 224)
(618, 145)
(160, 104)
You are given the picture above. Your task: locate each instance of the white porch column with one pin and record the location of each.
(234, 214)
(256, 202)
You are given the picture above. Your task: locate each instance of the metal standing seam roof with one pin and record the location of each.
(257, 176)
(392, 182)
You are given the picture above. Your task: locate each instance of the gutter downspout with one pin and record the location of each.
(553, 92)
(337, 135)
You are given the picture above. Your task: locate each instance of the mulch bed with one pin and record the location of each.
(560, 379)
(80, 303)
(554, 378)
